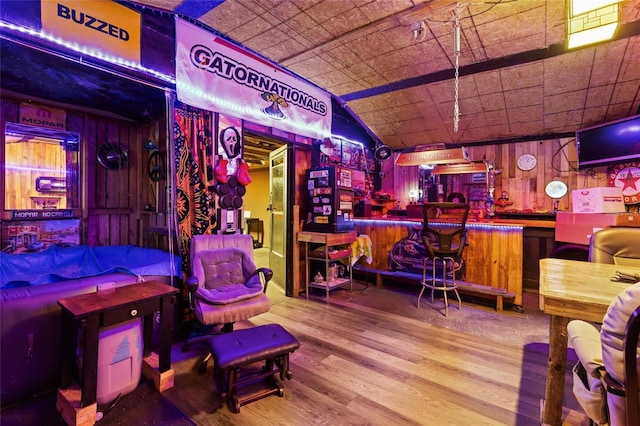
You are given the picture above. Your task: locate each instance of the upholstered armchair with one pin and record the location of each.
(225, 286)
(599, 378)
(616, 245)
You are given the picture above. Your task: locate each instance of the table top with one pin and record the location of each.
(91, 303)
(330, 239)
(579, 290)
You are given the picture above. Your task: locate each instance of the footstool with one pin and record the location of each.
(235, 350)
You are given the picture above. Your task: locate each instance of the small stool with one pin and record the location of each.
(231, 351)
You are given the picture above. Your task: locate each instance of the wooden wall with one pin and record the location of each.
(113, 201)
(503, 245)
(557, 159)
(20, 181)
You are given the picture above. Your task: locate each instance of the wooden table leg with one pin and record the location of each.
(556, 371)
(90, 360)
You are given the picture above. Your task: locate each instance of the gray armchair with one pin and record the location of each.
(599, 381)
(600, 378)
(616, 246)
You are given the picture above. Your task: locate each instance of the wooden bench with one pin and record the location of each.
(238, 349)
(463, 286)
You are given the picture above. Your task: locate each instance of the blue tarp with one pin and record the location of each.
(62, 263)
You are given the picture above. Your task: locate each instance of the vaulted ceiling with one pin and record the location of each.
(517, 80)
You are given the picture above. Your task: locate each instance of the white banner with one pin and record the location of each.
(216, 75)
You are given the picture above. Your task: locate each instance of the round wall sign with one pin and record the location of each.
(556, 189)
(626, 176)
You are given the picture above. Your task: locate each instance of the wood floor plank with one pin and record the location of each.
(374, 358)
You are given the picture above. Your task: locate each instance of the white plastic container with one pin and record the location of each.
(119, 360)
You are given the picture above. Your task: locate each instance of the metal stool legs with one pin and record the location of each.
(444, 284)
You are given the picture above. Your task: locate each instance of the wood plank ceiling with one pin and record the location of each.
(517, 80)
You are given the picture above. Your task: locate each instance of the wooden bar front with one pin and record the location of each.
(494, 256)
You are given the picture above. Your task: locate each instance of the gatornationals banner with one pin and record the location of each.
(215, 75)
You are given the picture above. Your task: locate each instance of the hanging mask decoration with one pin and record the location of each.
(230, 141)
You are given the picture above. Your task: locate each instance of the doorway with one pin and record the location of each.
(278, 212)
(257, 149)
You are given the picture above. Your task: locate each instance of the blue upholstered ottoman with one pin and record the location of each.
(238, 349)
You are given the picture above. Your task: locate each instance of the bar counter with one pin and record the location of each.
(493, 257)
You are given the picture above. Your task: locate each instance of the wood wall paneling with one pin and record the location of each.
(493, 256)
(112, 201)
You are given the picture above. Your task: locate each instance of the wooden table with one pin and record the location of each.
(571, 289)
(86, 313)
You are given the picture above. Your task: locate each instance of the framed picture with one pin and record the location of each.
(477, 193)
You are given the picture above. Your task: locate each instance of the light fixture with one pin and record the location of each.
(456, 169)
(419, 31)
(413, 196)
(591, 21)
(433, 156)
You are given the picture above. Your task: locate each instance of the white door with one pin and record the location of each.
(278, 215)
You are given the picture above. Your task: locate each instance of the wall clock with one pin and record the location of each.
(526, 162)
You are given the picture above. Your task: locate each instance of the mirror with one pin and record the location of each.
(41, 168)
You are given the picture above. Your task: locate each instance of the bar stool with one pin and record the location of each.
(444, 246)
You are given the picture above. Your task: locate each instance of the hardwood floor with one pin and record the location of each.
(366, 362)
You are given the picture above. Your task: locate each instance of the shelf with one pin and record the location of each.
(332, 255)
(329, 285)
(336, 248)
(327, 239)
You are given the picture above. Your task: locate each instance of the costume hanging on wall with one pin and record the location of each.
(192, 197)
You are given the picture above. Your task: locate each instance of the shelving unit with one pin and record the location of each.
(337, 247)
(382, 205)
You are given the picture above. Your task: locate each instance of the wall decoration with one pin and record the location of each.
(192, 196)
(353, 156)
(36, 235)
(626, 176)
(477, 193)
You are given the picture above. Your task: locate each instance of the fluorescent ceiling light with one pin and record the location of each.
(591, 36)
(578, 7)
(591, 21)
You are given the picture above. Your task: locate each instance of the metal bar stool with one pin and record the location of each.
(444, 246)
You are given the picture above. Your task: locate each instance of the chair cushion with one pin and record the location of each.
(249, 345)
(615, 246)
(225, 276)
(585, 340)
(613, 329)
(587, 387)
(216, 313)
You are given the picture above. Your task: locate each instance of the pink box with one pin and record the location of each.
(578, 227)
(598, 200)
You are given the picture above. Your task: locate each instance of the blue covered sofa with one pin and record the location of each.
(31, 319)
